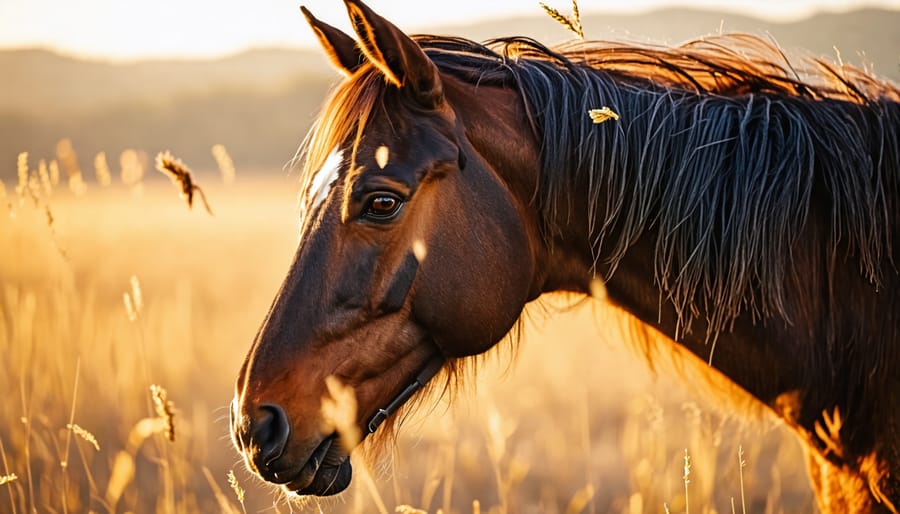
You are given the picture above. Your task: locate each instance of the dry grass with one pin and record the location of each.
(578, 424)
(181, 177)
(571, 23)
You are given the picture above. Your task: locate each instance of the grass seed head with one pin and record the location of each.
(131, 169)
(84, 434)
(22, 170)
(136, 294)
(181, 177)
(572, 23)
(235, 486)
(54, 172)
(44, 174)
(226, 165)
(164, 409)
(101, 169)
(4, 198)
(602, 114)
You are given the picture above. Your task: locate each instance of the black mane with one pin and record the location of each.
(722, 148)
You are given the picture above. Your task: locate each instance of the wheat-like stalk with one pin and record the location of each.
(129, 307)
(67, 157)
(181, 177)
(84, 434)
(22, 171)
(131, 170)
(580, 500)
(226, 165)
(44, 174)
(164, 409)
(687, 480)
(573, 24)
(4, 198)
(742, 464)
(339, 409)
(602, 114)
(236, 487)
(101, 169)
(136, 294)
(54, 172)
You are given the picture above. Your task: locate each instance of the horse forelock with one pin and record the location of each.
(341, 122)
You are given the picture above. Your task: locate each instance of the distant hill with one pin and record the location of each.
(260, 103)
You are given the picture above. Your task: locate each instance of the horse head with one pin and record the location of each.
(407, 235)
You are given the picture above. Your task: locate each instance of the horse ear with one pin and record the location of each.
(402, 61)
(341, 48)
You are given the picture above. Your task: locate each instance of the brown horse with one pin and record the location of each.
(751, 216)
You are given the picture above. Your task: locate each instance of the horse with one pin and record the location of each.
(745, 206)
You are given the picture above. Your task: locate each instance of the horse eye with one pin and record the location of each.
(382, 207)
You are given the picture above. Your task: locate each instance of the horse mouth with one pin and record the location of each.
(327, 471)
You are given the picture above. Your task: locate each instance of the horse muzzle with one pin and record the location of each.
(263, 441)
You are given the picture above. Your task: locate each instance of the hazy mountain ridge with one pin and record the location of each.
(259, 103)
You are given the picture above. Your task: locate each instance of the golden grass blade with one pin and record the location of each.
(181, 177)
(573, 24)
(580, 500)
(687, 480)
(67, 157)
(236, 487)
(129, 307)
(54, 172)
(22, 172)
(101, 170)
(576, 18)
(122, 474)
(4, 198)
(136, 294)
(339, 410)
(164, 409)
(131, 168)
(44, 174)
(65, 459)
(226, 165)
(602, 114)
(10, 476)
(84, 434)
(742, 464)
(366, 477)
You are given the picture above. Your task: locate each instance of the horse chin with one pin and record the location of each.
(332, 477)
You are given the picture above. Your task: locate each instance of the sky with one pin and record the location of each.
(135, 29)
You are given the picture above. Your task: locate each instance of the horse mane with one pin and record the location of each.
(725, 147)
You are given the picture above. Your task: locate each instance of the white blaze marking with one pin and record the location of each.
(381, 156)
(325, 178)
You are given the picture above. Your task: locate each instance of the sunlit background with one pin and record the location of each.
(176, 28)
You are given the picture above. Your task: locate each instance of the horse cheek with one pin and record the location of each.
(474, 283)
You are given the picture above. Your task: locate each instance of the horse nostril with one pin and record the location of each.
(270, 433)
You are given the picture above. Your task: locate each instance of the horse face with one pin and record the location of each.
(411, 247)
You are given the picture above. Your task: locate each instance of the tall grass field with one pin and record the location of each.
(125, 316)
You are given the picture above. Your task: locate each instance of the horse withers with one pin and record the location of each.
(749, 215)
